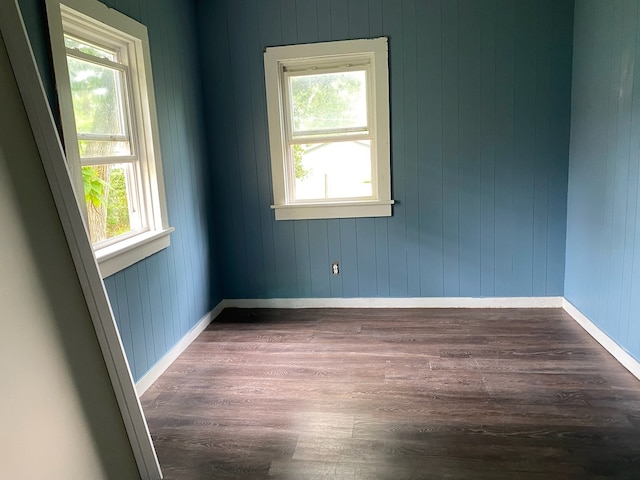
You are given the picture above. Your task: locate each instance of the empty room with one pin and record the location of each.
(304, 239)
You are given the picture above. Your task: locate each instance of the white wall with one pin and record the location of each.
(58, 414)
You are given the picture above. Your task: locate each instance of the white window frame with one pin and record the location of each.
(370, 55)
(93, 21)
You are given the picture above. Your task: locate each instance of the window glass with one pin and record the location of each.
(97, 96)
(111, 206)
(333, 170)
(93, 148)
(89, 49)
(328, 102)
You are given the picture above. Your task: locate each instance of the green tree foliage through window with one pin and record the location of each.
(118, 221)
(99, 111)
(325, 102)
(95, 187)
(328, 101)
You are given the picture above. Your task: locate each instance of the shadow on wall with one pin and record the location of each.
(63, 310)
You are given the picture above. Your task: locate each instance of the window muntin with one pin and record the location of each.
(327, 108)
(72, 43)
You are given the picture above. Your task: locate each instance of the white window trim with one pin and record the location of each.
(276, 60)
(117, 255)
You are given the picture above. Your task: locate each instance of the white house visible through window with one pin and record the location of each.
(105, 90)
(328, 111)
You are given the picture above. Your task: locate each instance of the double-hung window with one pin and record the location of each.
(103, 78)
(328, 114)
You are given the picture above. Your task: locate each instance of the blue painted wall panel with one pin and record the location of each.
(430, 162)
(470, 157)
(561, 69)
(319, 259)
(335, 254)
(339, 21)
(480, 96)
(392, 23)
(323, 18)
(524, 144)
(542, 140)
(157, 301)
(375, 18)
(450, 148)
(349, 251)
(410, 132)
(603, 238)
(306, 19)
(367, 270)
(487, 145)
(382, 257)
(504, 146)
(301, 239)
(480, 116)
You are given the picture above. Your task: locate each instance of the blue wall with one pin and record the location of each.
(480, 127)
(480, 103)
(157, 301)
(603, 224)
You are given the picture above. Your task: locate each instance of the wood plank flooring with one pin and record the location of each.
(395, 394)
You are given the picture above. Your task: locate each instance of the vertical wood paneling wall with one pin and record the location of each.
(603, 223)
(480, 95)
(480, 104)
(157, 301)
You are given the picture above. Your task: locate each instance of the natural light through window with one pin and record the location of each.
(105, 89)
(328, 110)
(101, 109)
(330, 106)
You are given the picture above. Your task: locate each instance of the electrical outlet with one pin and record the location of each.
(335, 268)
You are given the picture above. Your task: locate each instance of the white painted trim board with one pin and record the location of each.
(621, 355)
(165, 362)
(415, 302)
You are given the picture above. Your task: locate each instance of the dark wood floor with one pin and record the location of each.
(395, 394)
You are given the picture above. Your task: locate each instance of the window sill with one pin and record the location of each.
(123, 254)
(311, 211)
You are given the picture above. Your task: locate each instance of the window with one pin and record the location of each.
(103, 78)
(328, 113)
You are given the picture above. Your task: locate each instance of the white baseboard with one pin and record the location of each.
(419, 302)
(161, 365)
(603, 339)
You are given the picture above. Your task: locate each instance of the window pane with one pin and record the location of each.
(92, 148)
(332, 170)
(98, 101)
(89, 49)
(111, 206)
(328, 101)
